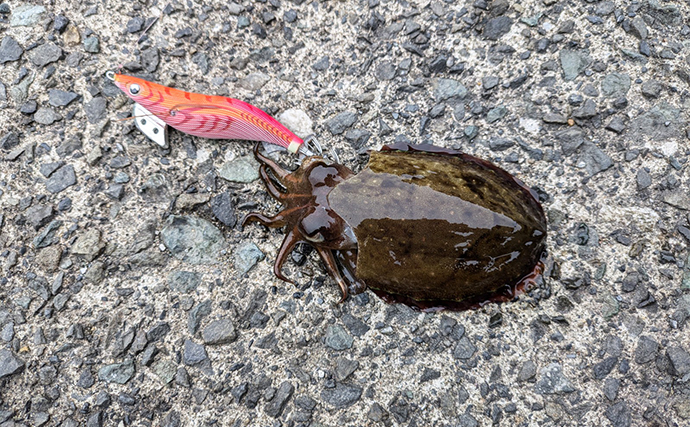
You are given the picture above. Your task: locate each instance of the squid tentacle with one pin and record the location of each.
(332, 267)
(279, 172)
(291, 239)
(272, 222)
(271, 187)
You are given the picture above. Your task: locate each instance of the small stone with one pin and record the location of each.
(88, 244)
(71, 36)
(646, 350)
(615, 85)
(223, 208)
(616, 125)
(184, 281)
(495, 28)
(61, 98)
(528, 371)
(92, 44)
(429, 375)
(86, 380)
(154, 334)
(10, 50)
(385, 71)
(45, 54)
(246, 256)
(573, 63)
(588, 110)
(135, 25)
(553, 381)
(61, 179)
(39, 215)
(193, 240)
(619, 415)
(449, 89)
(680, 361)
(196, 315)
(603, 368)
(221, 331)
(190, 200)
(46, 116)
(298, 121)
(344, 368)
(342, 395)
(254, 81)
(638, 28)
(496, 114)
(26, 15)
(337, 338)
(652, 89)
(46, 237)
(118, 373)
(194, 354)
(9, 364)
(644, 179)
(322, 64)
(115, 191)
(9, 141)
(155, 189)
(96, 109)
(500, 144)
(611, 386)
(60, 23)
(275, 407)
(242, 169)
(464, 349)
(341, 121)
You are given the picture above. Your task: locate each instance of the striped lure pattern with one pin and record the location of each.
(207, 116)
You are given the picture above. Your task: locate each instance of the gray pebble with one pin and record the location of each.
(342, 395)
(586, 111)
(638, 28)
(528, 371)
(651, 89)
(322, 64)
(490, 82)
(45, 54)
(679, 361)
(500, 144)
(9, 364)
(61, 179)
(61, 98)
(86, 379)
(194, 354)
(26, 15)
(275, 407)
(60, 23)
(196, 315)
(221, 331)
(39, 215)
(615, 85)
(616, 125)
(96, 109)
(135, 25)
(88, 244)
(46, 116)
(193, 240)
(646, 350)
(611, 386)
(9, 141)
(464, 349)
(344, 368)
(496, 114)
(337, 338)
(553, 381)
(242, 169)
(223, 208)
(341, 121)
(152, 335)
(118, 373)
(603, 368)
(619, 415)
(449, 89)
(573, 63)
(495, 28)
(184, 281)
(644, 179)
(10, 50)
(246, 256)
(92, 44)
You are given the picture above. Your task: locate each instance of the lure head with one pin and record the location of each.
(133, 87)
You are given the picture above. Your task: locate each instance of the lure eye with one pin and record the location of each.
(134, 89)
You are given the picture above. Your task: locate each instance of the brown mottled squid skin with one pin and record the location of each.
(421, 225)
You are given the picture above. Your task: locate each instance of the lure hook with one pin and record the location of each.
(110, 75)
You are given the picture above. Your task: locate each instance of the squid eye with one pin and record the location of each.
(134, 89)
(316, 238)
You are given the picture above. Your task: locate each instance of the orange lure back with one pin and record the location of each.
(206, 116)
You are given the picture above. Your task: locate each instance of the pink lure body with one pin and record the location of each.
(207, 116)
